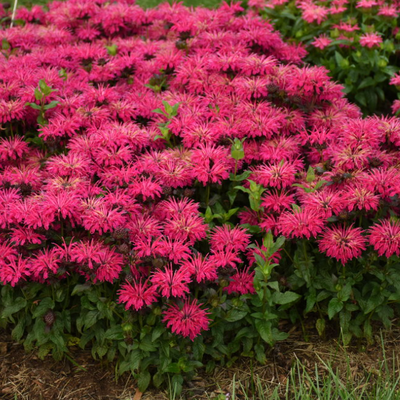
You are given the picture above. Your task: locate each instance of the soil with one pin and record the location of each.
(25, 377)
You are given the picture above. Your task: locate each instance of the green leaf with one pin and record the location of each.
(159, 111)
(112, 50)
(44, 305)
(310, 174)
(339, 58)
(366, 82)
(34, 106)
(5, 45)
(52, 104)
(286, 297)
(158, 379)
(240, 177)
(260, 353)
(168, 107)
(235, 315)
(264, 329)
(147, 345)
(173, 368)
(144, 381)
(91, 318)
(44, 350)
(134, 359)
(18, 304)
(80, 288)
(19, 329)
(360, 97)
(320, 325)
(114, 333)
(46, 90)
(59, 341)
(243, 189)
(334, 307)
(157, 332)
(38, 94)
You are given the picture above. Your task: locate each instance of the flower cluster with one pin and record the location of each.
(357, 41)
(113, 185)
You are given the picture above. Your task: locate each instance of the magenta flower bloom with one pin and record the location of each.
(385, 237)
(188, 320)
(303, 224)
(229, 239)
(172, 283)
(241, 282)
(321, 41)
(137, 295)
(342, 243)
(370, 40)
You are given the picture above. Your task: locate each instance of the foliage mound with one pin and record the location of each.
(175, 182)
(358, 41)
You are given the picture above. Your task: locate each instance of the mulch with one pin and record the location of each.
(25, 377)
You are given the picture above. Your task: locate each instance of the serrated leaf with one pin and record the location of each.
(80, 288)
(38, 94)
(265, 331)
(44, 305)
(114, 333)
(34, 106)
(260, 353)
(235, 315)
(18, 304)
(5, 45)
(286, 297)
(112, 50)
(91, 318)
(144, 380)
(51, 105)
(320, 325)
(157, 332)
(310, 174)
(334, 307)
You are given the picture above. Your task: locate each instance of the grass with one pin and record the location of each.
(332, 374)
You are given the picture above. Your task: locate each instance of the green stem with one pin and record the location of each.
(208, 195)
(75, 363)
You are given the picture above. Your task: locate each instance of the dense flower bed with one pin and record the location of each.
(152, 164)
(358, 41)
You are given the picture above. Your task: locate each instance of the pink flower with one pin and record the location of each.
(385, 237)
(201, 268)
(359, 197)
(301, 223)
(280, 175)
(342, 243)
(46, 262)
(137, 295)
(396, 106)
(187, 320)
(14, 269)
(277, 201)
(388, 10)
(226, 238)
(185, 227)
(241, 282)
(321, 41)
(211, 164)
(370, 40)
(366, 3)
(395, 81)
(172, 282)
(12, 109)
(313, 13)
